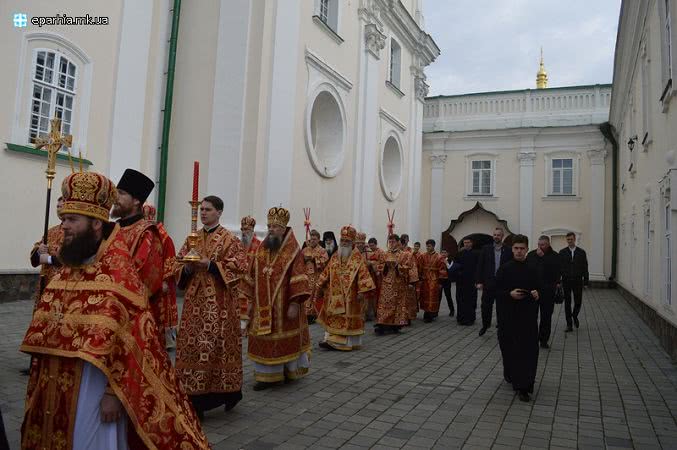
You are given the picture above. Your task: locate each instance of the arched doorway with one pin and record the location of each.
(477, 223)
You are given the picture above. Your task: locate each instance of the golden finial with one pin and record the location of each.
(542, 75)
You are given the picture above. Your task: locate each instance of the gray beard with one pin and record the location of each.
(247, 240)
(330, 247)
(345, 252)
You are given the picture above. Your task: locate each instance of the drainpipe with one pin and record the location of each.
(167, 113)
(610, 134)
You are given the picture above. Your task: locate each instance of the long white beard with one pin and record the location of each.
(346, 251)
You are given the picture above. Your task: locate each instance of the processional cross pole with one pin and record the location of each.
(52, 143)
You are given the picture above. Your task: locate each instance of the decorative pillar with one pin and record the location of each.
(436, 194)
(282, 104)
(420, 88)
(526, 159)
(367, 151)
(597, 189)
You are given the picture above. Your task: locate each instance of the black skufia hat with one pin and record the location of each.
(136, 184)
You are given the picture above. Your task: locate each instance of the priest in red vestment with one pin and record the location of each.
(100, 378)
(166, 312)
(141, 236)
(345, 280)
(315, 258)
(432, 271)
(209, 343)
(375, 259)
(277, 286)
(251, 245)
(399, 272)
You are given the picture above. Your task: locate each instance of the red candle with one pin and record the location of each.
(196, 179)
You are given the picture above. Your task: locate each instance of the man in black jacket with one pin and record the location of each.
(574, 277)
(492, 256)
(551, 271)
(466, 292)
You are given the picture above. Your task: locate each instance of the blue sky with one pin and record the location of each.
(493, 45)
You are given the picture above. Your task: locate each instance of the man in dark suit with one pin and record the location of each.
(574, 276)
(550, 266)
(466, 292)
(492, 256)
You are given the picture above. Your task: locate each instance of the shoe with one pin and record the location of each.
(544, 345)
(260, 386)
(524, 396)
(451, 314)
(25, 372)
(483, 330)
(576, 322)
(569, 329)
(379, 331)
(325, 345)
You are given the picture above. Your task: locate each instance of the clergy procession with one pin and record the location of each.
(106, 318)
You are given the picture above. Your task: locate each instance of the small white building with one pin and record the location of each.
(532, 161)
(644, 116)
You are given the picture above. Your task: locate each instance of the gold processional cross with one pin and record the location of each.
(54, 141)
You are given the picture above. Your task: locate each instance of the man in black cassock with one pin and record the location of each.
(551, 268)
(329, 243)
(466, 292)
(517, 290)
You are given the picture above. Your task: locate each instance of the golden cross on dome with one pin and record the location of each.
(53, 143)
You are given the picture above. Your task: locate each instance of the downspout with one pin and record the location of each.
(609, 133)
(167, 113)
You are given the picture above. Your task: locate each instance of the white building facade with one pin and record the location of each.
(644, 117)
(533, 161)
(302, 103)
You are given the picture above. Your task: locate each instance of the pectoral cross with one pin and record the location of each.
(54, 141)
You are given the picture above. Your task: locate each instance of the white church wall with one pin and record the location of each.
(642, 106)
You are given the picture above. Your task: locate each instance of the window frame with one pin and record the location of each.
(668, 53)
(329, 19)
(395, 65)
(478, 157)
(67, 127)
(549, 174)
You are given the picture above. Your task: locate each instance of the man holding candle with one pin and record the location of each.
(209, 342)
(277, 286)
(142, 238)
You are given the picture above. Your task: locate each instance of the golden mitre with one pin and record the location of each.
(360, 238)
(349, 233)
(248, 222)
(278, 216)
(88, 194)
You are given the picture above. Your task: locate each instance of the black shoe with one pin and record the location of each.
(524, 396)
(544, 345)
(427, 320)
(451, 314)
(325, 345)
(483, 330)
(576, 322)
(379, 331)
(569, 329)
(260, 386)
(25, 372)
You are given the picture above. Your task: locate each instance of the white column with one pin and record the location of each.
(367, 151)
(526, 159)
(597, 192)
(420, 88)
(130, 89)
(282, 105)
(228, 110)
(436, 194)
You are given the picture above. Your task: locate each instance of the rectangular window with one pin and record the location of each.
(54, 84)
(562, 182)
(668, 37)
(395, 63)
(327, 12)
(481, 177)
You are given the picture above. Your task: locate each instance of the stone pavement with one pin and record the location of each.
(439, 385)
